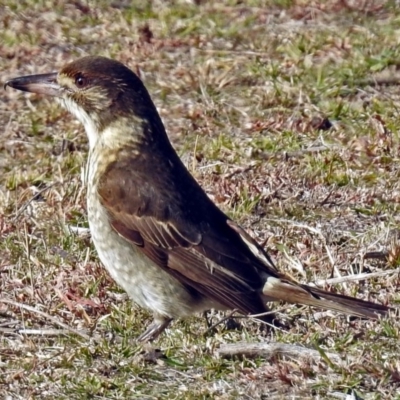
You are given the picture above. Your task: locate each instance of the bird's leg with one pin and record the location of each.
(208, 321)
(159, 324)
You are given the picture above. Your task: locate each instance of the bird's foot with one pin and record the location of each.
(154, 330)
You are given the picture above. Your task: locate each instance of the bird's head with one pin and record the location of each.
(100, 92)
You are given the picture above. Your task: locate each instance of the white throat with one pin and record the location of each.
(83, 117)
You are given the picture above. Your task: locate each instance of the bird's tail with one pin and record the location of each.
(280, 289)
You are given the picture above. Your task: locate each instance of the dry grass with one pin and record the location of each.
(287, 114)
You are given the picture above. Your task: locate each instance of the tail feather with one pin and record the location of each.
(279, 289)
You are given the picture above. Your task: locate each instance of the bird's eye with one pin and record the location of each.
(80, 81)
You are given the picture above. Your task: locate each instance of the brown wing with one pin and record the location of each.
(160, 209)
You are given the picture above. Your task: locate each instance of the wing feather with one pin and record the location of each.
(162, 211)
(192, 240)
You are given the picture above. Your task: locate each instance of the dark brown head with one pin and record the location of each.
(99, 91)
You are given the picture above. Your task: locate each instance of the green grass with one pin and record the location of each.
(241, 87)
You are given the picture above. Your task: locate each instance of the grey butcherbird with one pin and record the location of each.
(155, 230)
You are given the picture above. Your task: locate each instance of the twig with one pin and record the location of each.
(47, 316)
(357, 277)
(219, 322)
(377, 255)
(239, 52)
(35, 332)
(25, 206)
(240, 170)
(294, 154)
(269, 350)
(325, 200)
(43, 332)
(8, 323)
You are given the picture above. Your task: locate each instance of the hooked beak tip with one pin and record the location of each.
(42, 84)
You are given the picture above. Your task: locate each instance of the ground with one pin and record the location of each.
(287, 113)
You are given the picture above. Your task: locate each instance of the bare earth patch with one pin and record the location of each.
(288, 116)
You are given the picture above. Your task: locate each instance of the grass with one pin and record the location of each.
(288, 116)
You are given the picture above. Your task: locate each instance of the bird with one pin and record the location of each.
(156, 231)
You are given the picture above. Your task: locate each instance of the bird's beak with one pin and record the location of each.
(42, 84)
